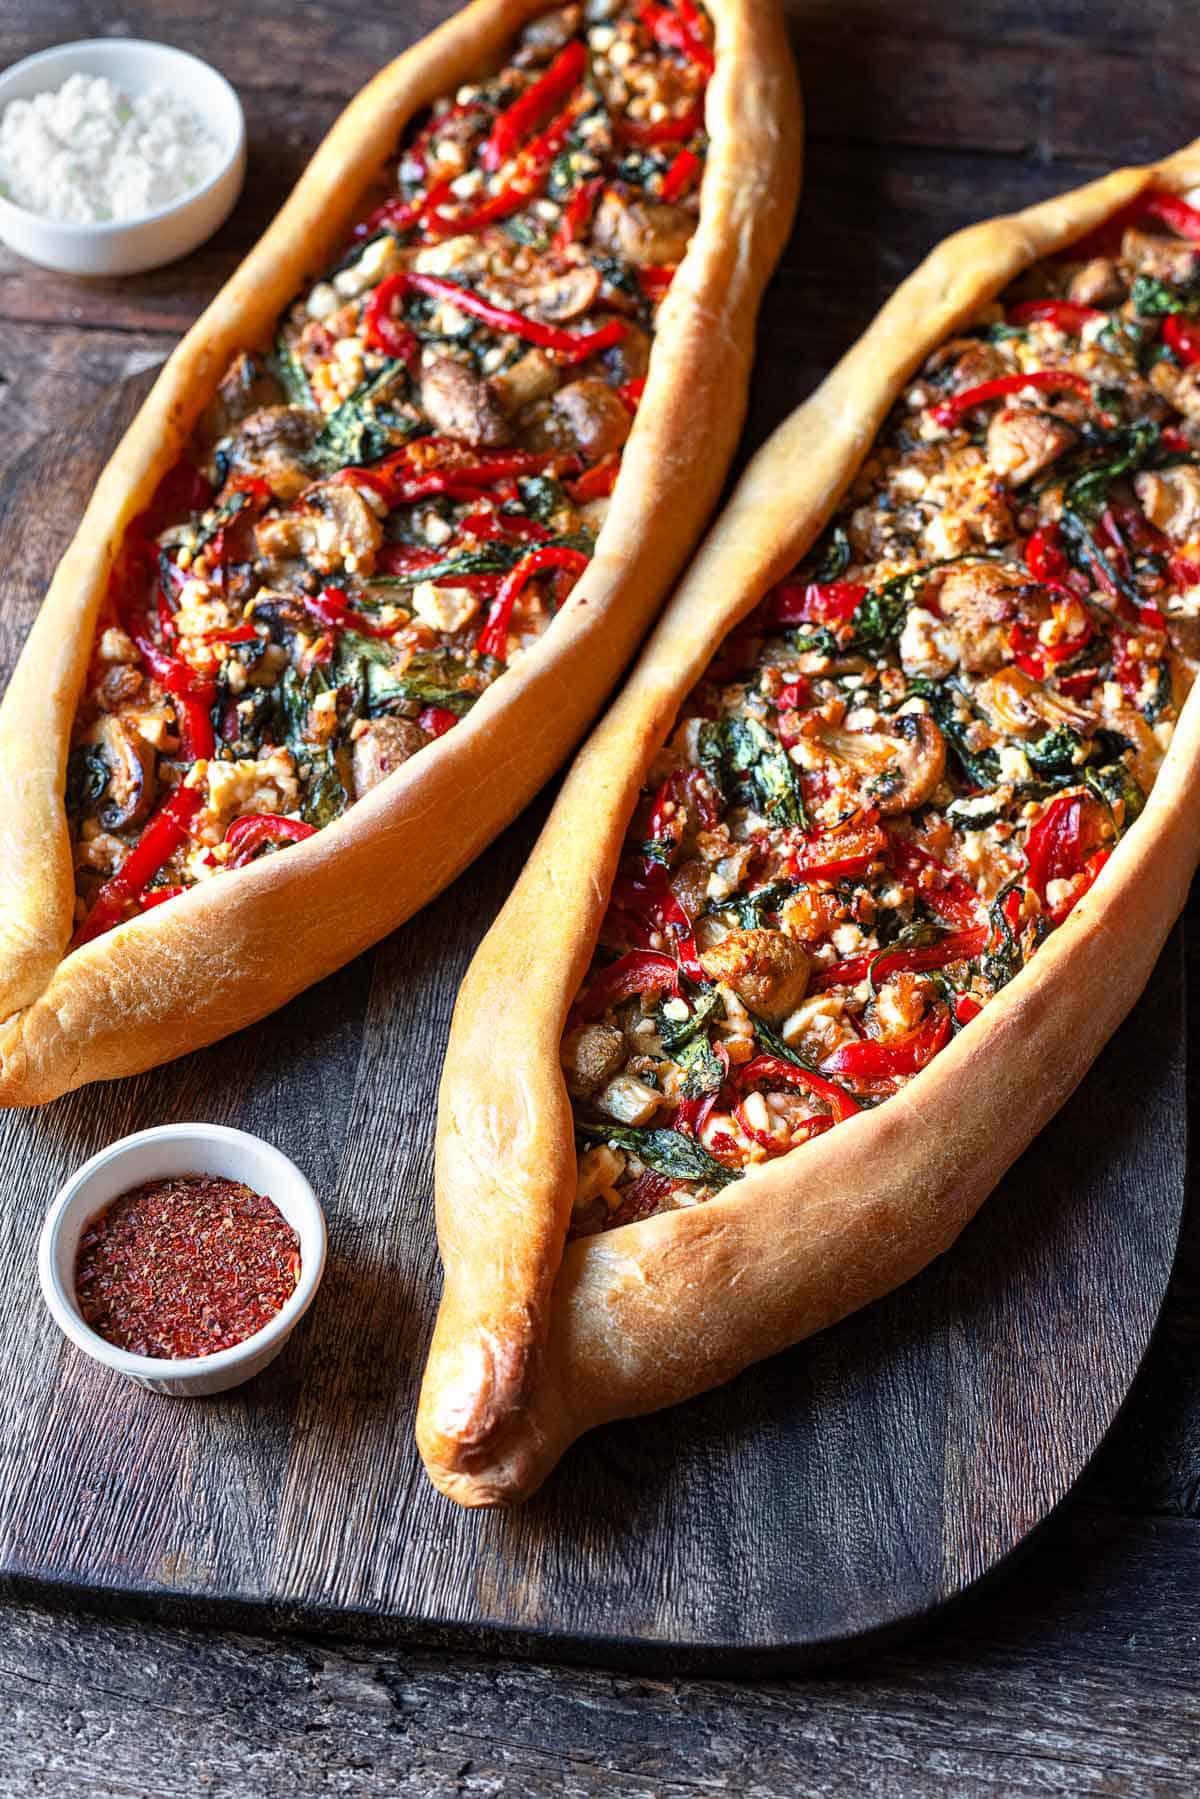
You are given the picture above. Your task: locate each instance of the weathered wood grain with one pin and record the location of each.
(1075, 1679)
(1072, 1675)
(823, 1497)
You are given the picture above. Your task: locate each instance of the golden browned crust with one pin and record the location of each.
(532, 1346)
(229, 951)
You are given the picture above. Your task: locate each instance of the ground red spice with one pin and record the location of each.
(185, 1267)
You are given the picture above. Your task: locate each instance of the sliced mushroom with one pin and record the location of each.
(1183, 629)
(274, 443)
(534, 377)
(647, 233)
(129, 791)
(1097, 283)
(335, 529)
(1163, 258)
(1171, 500)
(767, 971)
(566, 296)
(1179, 386)
(119, 685)
(970, 360)
(245, 387)
(462, 404)
(895, 767)
(585, 416)
(1018, 706)
(1021, 441)
(590, 1057)
(981, 603)
(382, 745)
(629, 357)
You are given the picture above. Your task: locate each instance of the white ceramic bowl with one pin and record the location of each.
(174, 1149)
(127, 246)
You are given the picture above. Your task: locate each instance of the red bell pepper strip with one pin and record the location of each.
(192, 693)
(644, 901)
(779, 1146)
(398, 480)
(381, 331)
(835, 855)
(158, 896)
(164, 833)
(1105, 239)
(1065, 314)
(1176, 440)
(691, 1114)
(182, 491)
(630, 393)
(811, 602)
(668, 814)
(662, 131)
(1181, 337)
(244, 633)
(640, 1200)
(493, 639)
(655, 282)
(333, 608)
(198, 740)
(595, 483)
(960, 946)
(528, 178)
(497, 526)
(517, 121)
(252, 832)
(869, 1059)
(1054, 848)
(1087, 876)
(577, 213)
(435, 721)
(1173, 212)
(641, 971)
(405, 559)
(946, 893)
(966, 1008)
(948, 412)
(1035, 658)
(795, 695)
(775, 1068)
(684, 169)
(1045, 557)
(679, 30)
(672, 917)
(574, 345)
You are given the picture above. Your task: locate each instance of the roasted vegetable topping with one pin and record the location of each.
(912, 761)
(382, 515)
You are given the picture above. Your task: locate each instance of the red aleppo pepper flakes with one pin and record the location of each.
(185, 1267)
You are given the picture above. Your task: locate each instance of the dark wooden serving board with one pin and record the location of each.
(829, 1495)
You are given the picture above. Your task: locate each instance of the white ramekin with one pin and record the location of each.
(128, 246)
(167, 1150)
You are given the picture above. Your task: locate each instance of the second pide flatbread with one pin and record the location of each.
(873, 853)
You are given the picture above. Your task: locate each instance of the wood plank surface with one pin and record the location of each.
(823, 1498)
(1072, 1674)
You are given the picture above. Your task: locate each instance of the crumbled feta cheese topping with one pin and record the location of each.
(90, 154)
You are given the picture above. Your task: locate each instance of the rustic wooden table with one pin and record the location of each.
(1073, 1672)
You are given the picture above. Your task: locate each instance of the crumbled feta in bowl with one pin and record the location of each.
(88, 151)
(116, 155)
